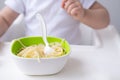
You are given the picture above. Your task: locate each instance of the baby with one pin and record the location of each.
(62, 17)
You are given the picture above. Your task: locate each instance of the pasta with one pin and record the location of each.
(36, 51)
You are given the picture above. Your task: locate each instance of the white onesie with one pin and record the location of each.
(58, 22)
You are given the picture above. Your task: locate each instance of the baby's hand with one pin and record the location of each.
(74, 8)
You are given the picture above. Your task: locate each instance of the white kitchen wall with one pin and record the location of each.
(112, 6)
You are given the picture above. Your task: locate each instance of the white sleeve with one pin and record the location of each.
(87, 3)
(16, 5)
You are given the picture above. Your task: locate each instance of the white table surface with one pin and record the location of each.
(91, 62)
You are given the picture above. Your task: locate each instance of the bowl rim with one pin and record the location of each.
(67, 54)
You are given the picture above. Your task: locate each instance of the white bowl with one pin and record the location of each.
(43, 66)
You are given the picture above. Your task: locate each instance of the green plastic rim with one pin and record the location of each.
(16, 46)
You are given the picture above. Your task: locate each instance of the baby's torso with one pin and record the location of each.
(58, 22)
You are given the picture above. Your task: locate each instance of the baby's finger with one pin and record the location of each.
(75, 11)
(63, 3)
(72, 6)
(68, 3)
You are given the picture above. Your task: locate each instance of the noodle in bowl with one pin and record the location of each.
(38, 65)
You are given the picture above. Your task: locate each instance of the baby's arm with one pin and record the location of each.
(7, 16)
(96, 16)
